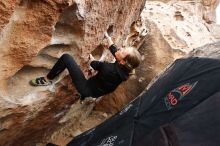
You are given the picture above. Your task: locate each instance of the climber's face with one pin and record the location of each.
(120, 55)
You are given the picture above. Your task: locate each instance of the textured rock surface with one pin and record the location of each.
(7, 8)
(184, 24)
(34, 34)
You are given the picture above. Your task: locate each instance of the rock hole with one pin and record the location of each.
(24, 3)
(110, 30)
(188, 34)
(178, 16)
(97, 53)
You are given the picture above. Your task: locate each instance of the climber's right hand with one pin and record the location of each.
(109, 39)
(106, 35)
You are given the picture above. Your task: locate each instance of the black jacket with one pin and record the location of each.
(109, 76)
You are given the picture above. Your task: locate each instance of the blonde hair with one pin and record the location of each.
(132, 59)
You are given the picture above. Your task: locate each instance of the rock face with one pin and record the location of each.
(34, 34)
(184, 24)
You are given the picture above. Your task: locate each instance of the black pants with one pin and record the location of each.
(78, 78)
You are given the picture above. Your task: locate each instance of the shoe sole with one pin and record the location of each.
(33, 84)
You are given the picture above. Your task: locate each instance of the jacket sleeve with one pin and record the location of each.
(96, 65)
(113, 48)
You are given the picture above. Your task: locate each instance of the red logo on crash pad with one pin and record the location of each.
(177, 94)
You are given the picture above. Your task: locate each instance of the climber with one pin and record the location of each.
(108, 77)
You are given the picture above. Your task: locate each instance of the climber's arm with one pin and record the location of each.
(111, 46)
(96, 65)
(109, 40)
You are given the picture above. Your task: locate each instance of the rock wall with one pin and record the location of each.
(184, 24)
(173, 31)
(175, 28)
(35, 33)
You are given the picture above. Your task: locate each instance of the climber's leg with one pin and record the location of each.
(78, 78)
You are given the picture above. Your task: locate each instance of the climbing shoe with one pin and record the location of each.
(40, 81)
